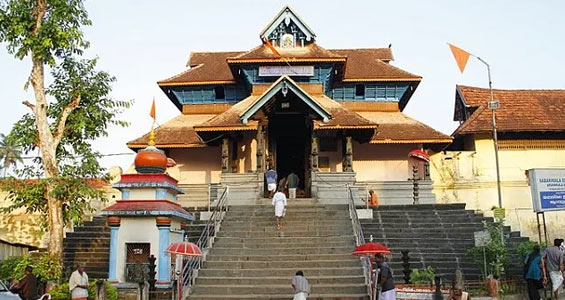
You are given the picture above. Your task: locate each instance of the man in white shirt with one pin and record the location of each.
(78, 284)
(301, 286)
(279, 201)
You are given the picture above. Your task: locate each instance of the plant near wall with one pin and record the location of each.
(423, 276)
(61, 291)
(526, 248)
(495, 252)
(45, 267)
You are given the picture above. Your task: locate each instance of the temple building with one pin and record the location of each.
(531, 134)
(328, 115)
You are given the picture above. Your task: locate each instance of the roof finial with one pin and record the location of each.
(151, 137)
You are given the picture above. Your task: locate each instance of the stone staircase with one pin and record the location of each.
(250, 259)
(244, 187)
(88, 244)
(436, 235)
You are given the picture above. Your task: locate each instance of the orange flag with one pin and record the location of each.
(275, 52)
(461, 56)
(152, 112)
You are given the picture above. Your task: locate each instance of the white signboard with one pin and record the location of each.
(482, 238)
(548, 189)
(286, 70)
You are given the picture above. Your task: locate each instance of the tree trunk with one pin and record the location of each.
(48, 149)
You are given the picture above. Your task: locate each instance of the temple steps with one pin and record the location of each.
(88, 244)
(436, 235)
(251, 259)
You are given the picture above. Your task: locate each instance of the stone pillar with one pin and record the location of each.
(348, 161)
(114, 223)
(314, 153)
(163, 260)
(259, 138)
(225, 155)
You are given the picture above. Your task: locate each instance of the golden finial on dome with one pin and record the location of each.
(151, 137)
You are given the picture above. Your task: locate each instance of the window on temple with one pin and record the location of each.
(360, 90)
(220, 93)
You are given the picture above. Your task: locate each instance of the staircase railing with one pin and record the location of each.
(359, 237)
(191, 265)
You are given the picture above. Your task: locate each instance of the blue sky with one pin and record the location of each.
(141, 42)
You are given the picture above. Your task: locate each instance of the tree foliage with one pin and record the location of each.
(495, 252)
(10, 152)
(67, 116)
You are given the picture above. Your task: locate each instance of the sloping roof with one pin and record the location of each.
(397, 128)
(520, 110)
(279, 84)
(146, 208)
(341, 117)
(230, 119)
(372, 65)
(369, 64)
(310, 52)
(175, 133)
(287, 11)
(205, 68)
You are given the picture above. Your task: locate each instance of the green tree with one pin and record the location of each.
(66, 116)
(10, 152)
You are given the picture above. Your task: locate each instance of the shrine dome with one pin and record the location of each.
(150, 161)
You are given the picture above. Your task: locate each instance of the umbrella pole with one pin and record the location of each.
(180, 280)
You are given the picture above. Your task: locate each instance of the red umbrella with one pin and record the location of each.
(184, 249)
(371, 248)
(419, 155)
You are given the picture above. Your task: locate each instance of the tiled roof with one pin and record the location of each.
(310, 52)
(520, 110)
(396, 127)
(341, 117)
(146, 208)
(176, 133)
(205, 67)
(370, 64)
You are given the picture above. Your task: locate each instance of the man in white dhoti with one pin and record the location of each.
(552, 263)
(386, 281)
(279, 201)
(78, 284)
(301, 286)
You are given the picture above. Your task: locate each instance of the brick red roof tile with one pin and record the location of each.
(396, 127)
(361, 64)
(520, 110)
(146, 208)
(175, 133)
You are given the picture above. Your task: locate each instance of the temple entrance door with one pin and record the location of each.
(289, 136)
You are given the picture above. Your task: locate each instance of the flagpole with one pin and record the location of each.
(493, 106)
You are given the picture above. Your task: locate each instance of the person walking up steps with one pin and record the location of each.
(271, 178)
(292, 181)
(301, 286)
(279, 201)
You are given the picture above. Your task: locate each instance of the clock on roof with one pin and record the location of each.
(287, 40)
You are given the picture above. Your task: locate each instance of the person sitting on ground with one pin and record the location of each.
(301, 286)
(279, 201)
(373, 199)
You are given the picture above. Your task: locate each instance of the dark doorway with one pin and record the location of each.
(289, 135)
